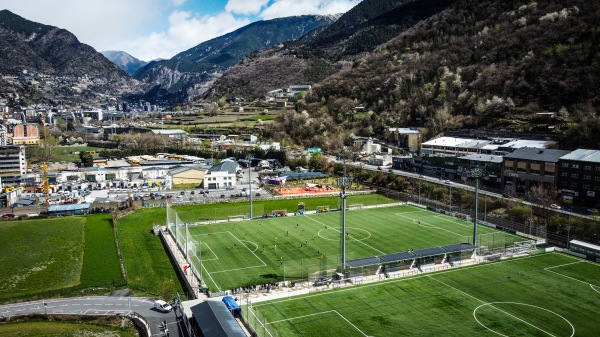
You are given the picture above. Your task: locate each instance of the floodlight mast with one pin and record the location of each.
(343, 183)
(250, 158)
(476, 173)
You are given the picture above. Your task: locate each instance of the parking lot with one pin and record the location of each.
(197, 195)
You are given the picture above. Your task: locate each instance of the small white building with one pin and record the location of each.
(221, 175)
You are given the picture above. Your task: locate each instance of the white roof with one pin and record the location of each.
(456, 142)
(585, 244)
(168, 132)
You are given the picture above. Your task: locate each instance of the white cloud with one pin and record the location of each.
(283, 8)
(97, 23)
(142, 28)
(245, 7)
(185, 31)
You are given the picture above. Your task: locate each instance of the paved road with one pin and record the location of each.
(101, 305)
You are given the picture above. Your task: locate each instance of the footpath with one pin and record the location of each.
(187, 270)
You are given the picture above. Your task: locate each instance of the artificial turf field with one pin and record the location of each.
(236, 254)
(549, 294)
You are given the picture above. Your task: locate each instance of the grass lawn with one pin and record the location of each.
(49, 257)
(38, 256)
(67, 153)
(149, 270)
(539, 295)
(236, 254)
(64, 329)
(219, 211)
(101, 264)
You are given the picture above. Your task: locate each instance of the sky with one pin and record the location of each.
(152, 29)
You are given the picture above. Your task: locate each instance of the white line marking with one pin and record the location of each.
(359, 241)
(562, 265)
(434, 226)
(484, 302)
(403, 279)
(359, 330)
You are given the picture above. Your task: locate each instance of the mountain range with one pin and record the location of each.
(50, 64)
(126, 62)
(336, 47)
(191, 72)
(486, 66)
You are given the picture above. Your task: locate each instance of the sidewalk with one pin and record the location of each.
(191, 276)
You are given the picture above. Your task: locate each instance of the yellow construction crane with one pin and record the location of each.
(45, 184)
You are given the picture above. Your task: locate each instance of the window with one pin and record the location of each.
(585, 186)
(573, 184)
(564, 174)
(566, 165)
(587, 167)
(574, 175)
(587, 177)
(597, 178)
(575, 166)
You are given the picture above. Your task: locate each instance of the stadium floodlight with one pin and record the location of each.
(249, 158)
(343, 182)
(476, 173)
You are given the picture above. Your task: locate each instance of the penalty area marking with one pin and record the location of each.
(569, 277)
(523, 304)
(254, 243)
(320, 313)
(428, 224)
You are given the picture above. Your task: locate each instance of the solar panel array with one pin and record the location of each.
(429, 252)
(397, 257)
(409, 255)
(364, 262)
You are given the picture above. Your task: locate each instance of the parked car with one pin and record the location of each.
(163, 306)
(447, 182)
(8, 216)
(182, 192)
(193, 192)
(321, 281)
(555, 206)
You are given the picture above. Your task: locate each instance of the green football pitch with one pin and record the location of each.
(241, 253)
(550, 294)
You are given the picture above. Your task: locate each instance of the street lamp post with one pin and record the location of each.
(249, 158)
(343, 183)
(476, 173)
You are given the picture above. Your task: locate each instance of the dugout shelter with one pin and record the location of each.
(591, 251)
(423, 259)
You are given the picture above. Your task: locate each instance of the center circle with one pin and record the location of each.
(351, 230)
(523, 319)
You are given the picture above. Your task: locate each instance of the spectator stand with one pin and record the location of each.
(411, 261)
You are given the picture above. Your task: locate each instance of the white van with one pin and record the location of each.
(163, 306)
